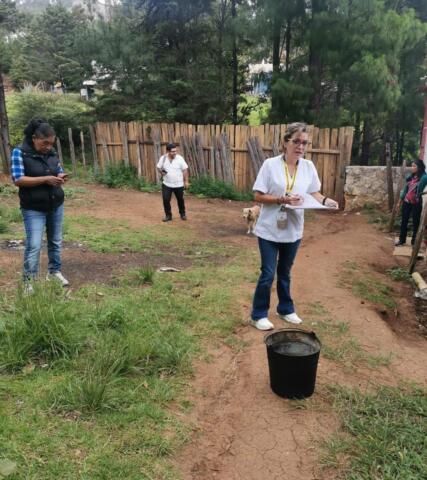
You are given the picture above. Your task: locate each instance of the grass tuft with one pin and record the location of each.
(41, 327)
(141, 276)
(400, 274)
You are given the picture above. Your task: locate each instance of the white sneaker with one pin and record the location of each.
(290, 317)
(262, 324)
(59, 277)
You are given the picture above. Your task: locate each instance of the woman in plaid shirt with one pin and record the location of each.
(37, 172)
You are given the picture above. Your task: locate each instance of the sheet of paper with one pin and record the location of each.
(309, 202)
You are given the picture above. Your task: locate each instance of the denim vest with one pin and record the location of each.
(43, 198)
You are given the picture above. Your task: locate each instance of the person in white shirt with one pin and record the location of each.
(282, 181)
(174, 172)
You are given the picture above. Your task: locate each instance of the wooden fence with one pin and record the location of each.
(232, 153)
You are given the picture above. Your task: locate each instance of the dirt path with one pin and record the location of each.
(241, 429)
(245, 431)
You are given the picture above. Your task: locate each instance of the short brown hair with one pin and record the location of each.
(294, 128)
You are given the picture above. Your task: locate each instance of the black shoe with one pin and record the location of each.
(399, 244)
(183, 217)
(168, 218)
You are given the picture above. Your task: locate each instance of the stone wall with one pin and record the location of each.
(367, 185)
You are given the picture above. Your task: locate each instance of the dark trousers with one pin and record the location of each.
(167, 195)
(269, 252)
(409, 209)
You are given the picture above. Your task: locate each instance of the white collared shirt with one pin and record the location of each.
(174, 178)
(272, 181)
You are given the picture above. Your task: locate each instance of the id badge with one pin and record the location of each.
(282, 218)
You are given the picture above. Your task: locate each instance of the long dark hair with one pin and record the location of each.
(39, 128)
(421, 168)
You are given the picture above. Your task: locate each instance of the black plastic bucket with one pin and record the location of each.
(292, 361)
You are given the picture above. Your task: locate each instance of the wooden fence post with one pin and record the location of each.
(72, 151)
(155, 135)
(82, 144)
(397, 197)
(94, 150)
(59, 149)
(389, 170)
(106, 152)
(125, 143)
(420, 233)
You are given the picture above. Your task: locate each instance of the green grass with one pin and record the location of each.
(367, 287)
(113, 236)
(383, 436)
(73, 192)
(9, 216)
(380, 218)
(338, 344)
(103, 410)
(7, 190)
(399, 274)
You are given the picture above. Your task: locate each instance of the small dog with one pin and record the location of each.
(251, 215)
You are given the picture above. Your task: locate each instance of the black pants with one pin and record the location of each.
(407, 210)
(167, 195)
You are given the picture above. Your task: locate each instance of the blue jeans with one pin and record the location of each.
(269, 252)
(35, 223)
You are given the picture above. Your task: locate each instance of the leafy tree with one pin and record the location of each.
(9, 20)
(61, 111)
(45, 52)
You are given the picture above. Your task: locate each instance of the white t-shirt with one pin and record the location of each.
(272, 181)
(174, 178)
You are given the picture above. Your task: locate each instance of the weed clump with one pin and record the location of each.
(39, 327)
(121, 176)
(207, 186)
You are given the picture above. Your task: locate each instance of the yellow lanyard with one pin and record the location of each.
(290, 182)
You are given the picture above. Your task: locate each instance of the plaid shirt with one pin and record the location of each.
(17, 169)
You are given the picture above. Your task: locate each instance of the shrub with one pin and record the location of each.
(210, 187)
(121, 176)
(61, 111)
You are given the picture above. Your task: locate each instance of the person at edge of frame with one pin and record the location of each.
(36, 170)
(174, 173)
(282, 181)
(411, 201)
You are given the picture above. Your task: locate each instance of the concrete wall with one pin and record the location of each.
(365, 185)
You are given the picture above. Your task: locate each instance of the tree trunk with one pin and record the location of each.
(4, 129)
(288, 38)
(277, 27)
(235, 63)
(366, 144)
(315, 64)
(356, 141)
(401, 145)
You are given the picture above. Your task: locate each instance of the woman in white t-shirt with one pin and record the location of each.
(281, 181)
